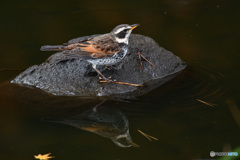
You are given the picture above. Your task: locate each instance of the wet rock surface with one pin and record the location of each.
(61, 75)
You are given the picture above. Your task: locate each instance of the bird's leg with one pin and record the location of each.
(99, 104)
(94, 67)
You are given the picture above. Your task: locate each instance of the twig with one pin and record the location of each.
(206, 103)
(147, 136)
(146, 59)
(131, 84)
(140, 59)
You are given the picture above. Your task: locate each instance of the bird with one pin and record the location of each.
(108, 122)
(106, 49)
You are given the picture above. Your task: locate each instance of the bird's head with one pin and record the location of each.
(122, 32)
(124, 140)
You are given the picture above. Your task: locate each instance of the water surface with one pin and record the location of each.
(205, 34)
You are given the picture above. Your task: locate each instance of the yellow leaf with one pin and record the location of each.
(43, 157)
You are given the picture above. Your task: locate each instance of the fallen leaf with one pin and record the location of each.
(43, 157)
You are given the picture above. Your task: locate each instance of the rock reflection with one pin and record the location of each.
(104, 121)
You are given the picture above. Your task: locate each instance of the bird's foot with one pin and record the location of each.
(109, 79)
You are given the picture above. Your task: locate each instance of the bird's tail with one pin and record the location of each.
(52, 48)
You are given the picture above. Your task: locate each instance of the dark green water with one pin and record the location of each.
(203, 33)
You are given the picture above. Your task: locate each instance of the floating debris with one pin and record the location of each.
(234, 109)
(206, 103)
(148, 136)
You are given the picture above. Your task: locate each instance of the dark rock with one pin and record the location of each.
(60, 75)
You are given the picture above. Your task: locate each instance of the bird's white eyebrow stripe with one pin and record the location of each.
(119, 30)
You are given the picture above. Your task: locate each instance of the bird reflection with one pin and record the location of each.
(104, 121)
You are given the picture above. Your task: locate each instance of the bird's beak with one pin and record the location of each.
(134, 26)
(134, 144)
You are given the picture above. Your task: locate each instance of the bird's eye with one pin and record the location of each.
(122, 34)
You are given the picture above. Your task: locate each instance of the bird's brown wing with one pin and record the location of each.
(98, 47)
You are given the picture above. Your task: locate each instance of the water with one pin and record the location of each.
(205, 34)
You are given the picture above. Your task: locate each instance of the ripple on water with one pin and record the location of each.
(204, 83)
(196, 82)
